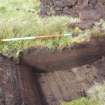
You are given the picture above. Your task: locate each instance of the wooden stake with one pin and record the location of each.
(32, 38)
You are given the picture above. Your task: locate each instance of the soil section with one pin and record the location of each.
(42, 59)
(22, 85)
(49, 78)
(56, 87)
(16, 84)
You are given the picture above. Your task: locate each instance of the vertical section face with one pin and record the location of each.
(59, 86)
(17, 86)
(9, 87)
(29, 92)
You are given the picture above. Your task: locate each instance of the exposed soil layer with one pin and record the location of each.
(21, 85)
(16, 84)
(59, 86)
(64, 75)
(69, 57)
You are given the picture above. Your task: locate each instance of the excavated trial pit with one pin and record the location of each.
(46, 78)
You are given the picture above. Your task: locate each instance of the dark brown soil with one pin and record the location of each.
(64, 74)
(72, 56)
(9, 88)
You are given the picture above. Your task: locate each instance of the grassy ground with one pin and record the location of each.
(20, 18)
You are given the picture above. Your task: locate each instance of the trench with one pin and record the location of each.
(48, 78)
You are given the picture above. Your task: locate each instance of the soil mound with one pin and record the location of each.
(76, 55)
(16, 84)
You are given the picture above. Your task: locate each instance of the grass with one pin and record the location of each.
(97, 92)
(21, 23)
(82, 101)
(32, 25)
(26, 22)
(96, 96)
(19, 18)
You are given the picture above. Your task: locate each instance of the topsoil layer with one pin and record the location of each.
(63, 75)
(45, 60)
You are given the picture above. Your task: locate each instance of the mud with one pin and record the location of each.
(86, 9)
(16, 86)
(64, 74)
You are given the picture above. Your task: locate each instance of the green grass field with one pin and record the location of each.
(82, 101)
(20, 18)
